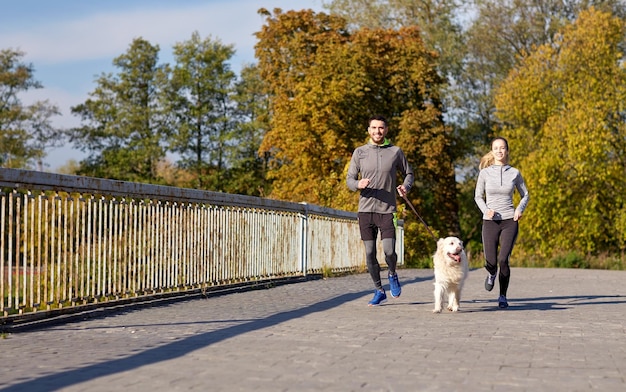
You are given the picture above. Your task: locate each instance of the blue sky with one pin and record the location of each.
(71, 42)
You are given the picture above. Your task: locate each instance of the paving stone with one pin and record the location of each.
(564, 331)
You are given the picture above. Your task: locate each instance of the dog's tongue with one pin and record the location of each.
(455, 256)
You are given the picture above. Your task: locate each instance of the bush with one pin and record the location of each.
(423, 263)
(570, 260)
(522, 259)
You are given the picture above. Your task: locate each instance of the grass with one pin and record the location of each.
(603, 261)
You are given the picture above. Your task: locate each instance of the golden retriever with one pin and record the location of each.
(451, 268)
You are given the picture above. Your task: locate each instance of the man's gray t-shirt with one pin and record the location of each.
(381, 164)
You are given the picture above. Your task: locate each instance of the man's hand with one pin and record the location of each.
(363, 183)
(401, 190)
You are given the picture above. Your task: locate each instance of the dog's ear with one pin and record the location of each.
(440, 242)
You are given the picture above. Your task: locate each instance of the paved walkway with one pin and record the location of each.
(564, 331)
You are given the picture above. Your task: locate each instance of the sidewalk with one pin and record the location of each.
(564, 331)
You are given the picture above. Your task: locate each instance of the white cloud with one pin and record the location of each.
(106, 35)
(90, 42)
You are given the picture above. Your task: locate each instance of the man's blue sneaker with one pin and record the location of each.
(394, 285)
(502, 303)
(379, 298)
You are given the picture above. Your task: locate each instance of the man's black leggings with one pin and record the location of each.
(391, 258)
(502, 233)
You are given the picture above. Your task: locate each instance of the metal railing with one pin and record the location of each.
(69, 241)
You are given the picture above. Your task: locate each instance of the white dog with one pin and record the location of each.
(451, 269)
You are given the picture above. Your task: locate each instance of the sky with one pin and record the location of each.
(71, 42)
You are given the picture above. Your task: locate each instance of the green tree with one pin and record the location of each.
(563, 110)
(248, 171)
(199, 96)
(25, 130)
(124, 123)
(43, 135)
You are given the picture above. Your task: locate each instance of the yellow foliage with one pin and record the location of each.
(562, 110)
(325, 83)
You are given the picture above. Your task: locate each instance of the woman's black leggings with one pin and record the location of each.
(499, 233)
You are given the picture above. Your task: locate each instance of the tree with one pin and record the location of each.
(324, 83)
(303, 105)
(199, 95)
(564, 115)
(248, 173)
(441, 28)
(25, 131)
(500, 34)
(124, 123)
(42, 134)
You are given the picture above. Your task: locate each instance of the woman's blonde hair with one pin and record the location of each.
(488, 159)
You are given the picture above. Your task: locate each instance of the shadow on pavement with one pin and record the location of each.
(173, 350)
(548, 303)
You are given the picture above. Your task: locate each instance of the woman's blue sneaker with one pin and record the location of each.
(379, 298)
(502, 304)
(394, 285)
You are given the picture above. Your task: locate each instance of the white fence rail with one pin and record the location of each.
(69, 241)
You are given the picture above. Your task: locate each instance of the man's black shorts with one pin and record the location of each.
(371, 222)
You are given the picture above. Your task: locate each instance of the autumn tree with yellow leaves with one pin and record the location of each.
(563, 110)
(324, 82)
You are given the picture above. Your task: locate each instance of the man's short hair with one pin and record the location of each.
(378, 118)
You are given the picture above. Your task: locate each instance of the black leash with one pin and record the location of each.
(406, 199)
